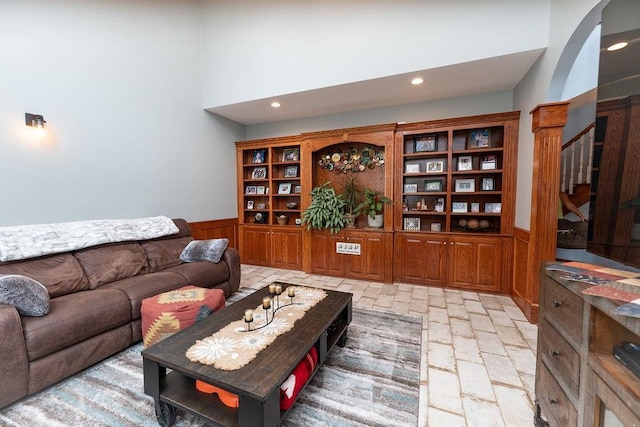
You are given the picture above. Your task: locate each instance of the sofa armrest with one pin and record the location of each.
(232, 258)
(14, 369)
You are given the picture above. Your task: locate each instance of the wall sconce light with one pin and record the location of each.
(35, 120)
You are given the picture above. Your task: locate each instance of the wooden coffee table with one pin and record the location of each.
(257, 384)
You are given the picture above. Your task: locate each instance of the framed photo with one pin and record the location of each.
(259, 156)
(488, 162)
(493, 207)
(297, 189)
(459, 207)
(465, 163)
(412, 224)
(291, 171)
(436, 226)
(291, 155)
(411, 188)
(425, 143)
(260, 189)
(487, 184)
(439, 206)
(259, 173)
(251, 189)
(261, 205)
(284, 188)
(435, 166)
(412, 168)
(250, 204)
(479, 138)
(475, 207)
(432, 185)
(465, 185)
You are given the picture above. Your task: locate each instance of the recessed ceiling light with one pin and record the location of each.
(417, 81)
(617, 46)
(275, 104)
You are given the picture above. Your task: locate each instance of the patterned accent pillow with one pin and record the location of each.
(28, 296)
(204, 250)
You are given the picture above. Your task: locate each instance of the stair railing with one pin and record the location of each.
(579, 167)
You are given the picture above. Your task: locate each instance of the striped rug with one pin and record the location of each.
(373, 381)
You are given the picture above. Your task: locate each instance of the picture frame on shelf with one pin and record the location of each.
(251, 189)
(475, 207)
(435, 166)
(411, 224)
(261, 205)
(259, 156)
(425, 143)
(465, 163)
(291, 155)
(284, 188)
(433, 185)
(412, 168)
(291, 171)
(259, 173)
(487, 184)
(467, 185)
(439, 206)
(493, 207)
(480, 138)
(436, 226)
(488, 162)
(459, 207)
(249, 204)
(297, 189)
(260, 189)
(411, 188)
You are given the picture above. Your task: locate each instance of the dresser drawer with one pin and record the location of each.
(564, 308)
(555, 405)
(559, 356)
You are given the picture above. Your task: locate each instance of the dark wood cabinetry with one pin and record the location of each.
(578, 380)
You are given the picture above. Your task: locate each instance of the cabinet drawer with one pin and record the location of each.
(555, 405)
(559, 356)
(564, 308)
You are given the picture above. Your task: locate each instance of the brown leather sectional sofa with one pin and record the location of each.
(96, 294)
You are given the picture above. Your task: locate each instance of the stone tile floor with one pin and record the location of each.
(478, 350)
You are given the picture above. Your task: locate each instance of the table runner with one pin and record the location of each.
(232, 347)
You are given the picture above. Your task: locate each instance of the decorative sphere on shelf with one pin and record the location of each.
(484, 224)
(462, 222)
(473, 223)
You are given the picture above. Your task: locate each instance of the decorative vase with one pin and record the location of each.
(351, 220)
(375, 222)
(282, 219)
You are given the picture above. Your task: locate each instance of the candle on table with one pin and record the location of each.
(266, 303)
(248, 315)
(292, 292)
(278, 289)
(272, 289)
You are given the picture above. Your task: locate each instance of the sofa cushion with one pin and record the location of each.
(146, 285)
(204, 274)
(60, 274)
(74, 318)
(163, 254)
(28, 296)
(107, 264)
(204, 250)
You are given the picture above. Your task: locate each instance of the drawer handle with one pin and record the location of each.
(555, 353)
(553, 400)
(556, 304)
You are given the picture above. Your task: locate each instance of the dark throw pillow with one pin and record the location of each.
(204, 250)
(28, 296)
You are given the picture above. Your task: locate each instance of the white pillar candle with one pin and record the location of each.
(248, 315)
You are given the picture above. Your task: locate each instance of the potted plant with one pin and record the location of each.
(351, 197)
(372, 206)
(326, 209)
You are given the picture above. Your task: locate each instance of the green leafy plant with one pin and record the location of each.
(351, 193)
(326, 210)
(373, 203)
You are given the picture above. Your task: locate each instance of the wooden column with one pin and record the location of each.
(548, 122)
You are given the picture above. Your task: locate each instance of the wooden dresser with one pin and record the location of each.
(578, 380)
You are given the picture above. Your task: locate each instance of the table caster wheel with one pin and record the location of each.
(165, 413)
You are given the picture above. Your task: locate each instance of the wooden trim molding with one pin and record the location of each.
(215, 229)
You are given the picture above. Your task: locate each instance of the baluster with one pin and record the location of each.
(573, 168)
(590, 162)
(563, 183)
(580, 176)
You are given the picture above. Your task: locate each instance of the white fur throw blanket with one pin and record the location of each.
(29, 241)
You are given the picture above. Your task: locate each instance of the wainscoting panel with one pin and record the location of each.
(215, 229)
(525, 290)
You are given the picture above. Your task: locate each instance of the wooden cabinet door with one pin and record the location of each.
(287, 248)
(255, 245)
(324, 259)
(475, 263)
(420, 259)
(374, 261)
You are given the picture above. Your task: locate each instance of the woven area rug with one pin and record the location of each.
(373, 381)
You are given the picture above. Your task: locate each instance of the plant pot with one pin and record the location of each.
(351, 220)
(375, 222)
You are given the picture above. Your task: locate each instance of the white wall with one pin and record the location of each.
(119, 83)
(256, 49)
